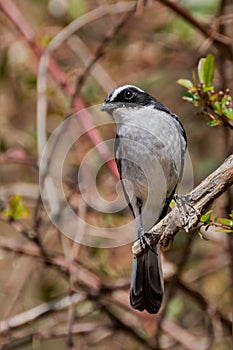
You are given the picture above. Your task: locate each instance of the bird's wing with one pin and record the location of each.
(119, 167)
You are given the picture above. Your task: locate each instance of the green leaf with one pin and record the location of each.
(214, 123)
(218, 108)
(201, 69)
(206, 217)
(209, 70)
(226, 222)
(206, 89)
(189, 96)
(224, 100)
(225, 231)
(228, 113)
(186, 83)
(172, 204)
(17, 208)
(206, 70)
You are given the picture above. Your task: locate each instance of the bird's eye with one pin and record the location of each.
(128, 94)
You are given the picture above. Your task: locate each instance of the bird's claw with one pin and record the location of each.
(145, 242)
(188, 213)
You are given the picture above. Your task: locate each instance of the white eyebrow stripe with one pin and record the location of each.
(121, 88)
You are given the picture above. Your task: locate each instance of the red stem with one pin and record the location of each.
(16, 17)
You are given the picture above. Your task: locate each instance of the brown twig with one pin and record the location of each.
(91, 281)
(210, 266)
(39, 311)
(221, 42)
(77, 103)
(99, 53)
(172, 287)
(22, 340)
(13, 13)
(15, 287)
(71, 319)
(27, 232)
(182, 336)
(81, 49)
(140, 7)
(204, 303)
(121, 322)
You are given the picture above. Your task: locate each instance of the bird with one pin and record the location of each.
(149, 149)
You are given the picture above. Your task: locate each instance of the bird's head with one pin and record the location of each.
(130, 96)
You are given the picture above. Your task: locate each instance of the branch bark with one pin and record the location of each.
(17, 18)
(196, 203)
(221, 42)
(41, 310)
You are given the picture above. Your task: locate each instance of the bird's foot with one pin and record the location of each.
(188, 213)
(145, 242)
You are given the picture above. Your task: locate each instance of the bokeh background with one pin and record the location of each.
(153, 49)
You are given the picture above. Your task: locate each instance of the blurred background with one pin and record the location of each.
(40, 267)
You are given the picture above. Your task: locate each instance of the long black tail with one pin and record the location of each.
(146, 290)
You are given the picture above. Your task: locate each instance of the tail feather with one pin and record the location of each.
(146, 290)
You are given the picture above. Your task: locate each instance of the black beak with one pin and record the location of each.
(104, 107)
(108, 107)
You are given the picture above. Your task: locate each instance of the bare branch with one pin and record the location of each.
(82, 275)
(204, 303)
(21, 339)
(99, 53)
(183, 336)
(41, 310)
(80, 49)
(17, 18)
(140, 7)
(221, 42)
(71, 319)
(198, 200)
(172, 287)
(62, 36)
